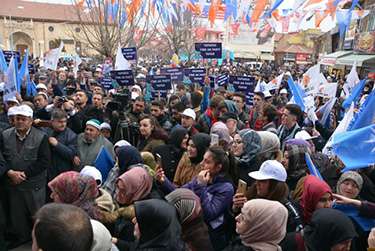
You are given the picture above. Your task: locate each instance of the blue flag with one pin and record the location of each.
(312, 168)
(3, 62)
(274, 7)
(357, 90)
(297, 93)
(356, 148)
(104, 162)
(365, 223)
(366, 115)
(23, 69)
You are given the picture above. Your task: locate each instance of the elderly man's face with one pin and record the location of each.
(22, 123)
(91, 133)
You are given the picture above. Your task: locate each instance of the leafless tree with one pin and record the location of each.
(103, 26)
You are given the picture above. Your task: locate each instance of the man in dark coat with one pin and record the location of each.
(27, 156)
(63, 142)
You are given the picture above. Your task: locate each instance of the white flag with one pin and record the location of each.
(275, 83)
(325, 110)
(77, 61)
(311, 80)
(52, 57)
(352, 79)
(10, 81)
(121, 63)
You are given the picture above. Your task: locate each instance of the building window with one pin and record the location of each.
(51, 29)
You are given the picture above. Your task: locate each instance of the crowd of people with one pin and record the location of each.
(199, 170)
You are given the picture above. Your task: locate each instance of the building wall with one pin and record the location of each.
(37, 36)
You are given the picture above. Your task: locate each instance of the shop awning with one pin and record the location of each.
(331, 59)
(267, 56)
(359, 59)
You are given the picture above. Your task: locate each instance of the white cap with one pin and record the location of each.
(98, 69)
(189, 113)
(105, 125)
(24, 110)
(92, 172)
(267, 94)
(304, 135)
(12, 111)
(270, 170)
(12, 99)
(121, 143)
(41, 86)
(283, 91)
(137, 87)
(102, 239)
(93, 122)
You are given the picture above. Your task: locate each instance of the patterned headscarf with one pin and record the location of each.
(188, 204)
(76, 189)
(350, 175)
(270, 143)
(252, 144)
(297, 166)
(266, 222)
(135, 184)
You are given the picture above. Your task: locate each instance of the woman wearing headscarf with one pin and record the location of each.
(189, 209)
(128, 157)
(246, 145)
(329, 230)
(261, 226)
(156, 226)
(221, 130)
(190, 163)
(348, 189)
(172, 152)
(269, 147)
(134, 185)
(82, 191)
(294, 162)
(316, 194)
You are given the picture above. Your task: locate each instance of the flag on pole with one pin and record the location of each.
(22, 71)
(312, 168)
(342, 127)
(3, 63)
(121, 63)
(104, 162)
(297, 93)
(10, 87)
(324, 111)
(355, 94)
(356, 148)
(311, 80)
(352, 79)
(366, 115)
(52, 57)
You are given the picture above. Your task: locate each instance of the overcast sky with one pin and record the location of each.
(51, 1)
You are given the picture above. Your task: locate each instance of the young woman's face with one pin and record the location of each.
(192, 150)
(285, 159)
(145, 128)
(210, 165)
(55, 197)
(349, 189)
(237, 146)
(262, 187)
(184, 142)
(325, 201)
(241, 224)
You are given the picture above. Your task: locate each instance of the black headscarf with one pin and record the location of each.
(176, 137)
(328, 227)
(158, 224)
(202, 142)
(128, 156)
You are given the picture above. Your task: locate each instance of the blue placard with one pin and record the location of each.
(155, 93)
(196, 75)
(244, 84)
(8, 55)
(106, 83)
(129, 53)
(209, 50)
(160, 82)
(177, 74)
(222, 80)
(123, 77)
